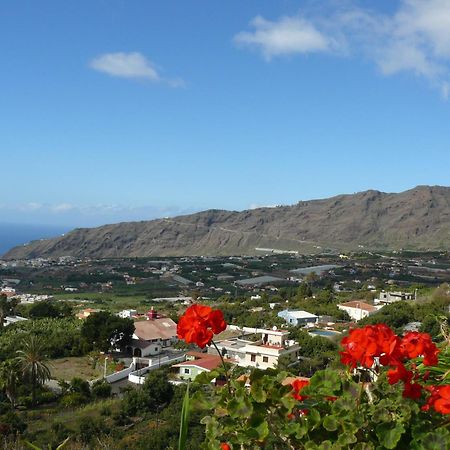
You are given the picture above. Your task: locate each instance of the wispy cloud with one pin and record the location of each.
(133, 65)
(285, 36)
(84, 215)
(415, 38)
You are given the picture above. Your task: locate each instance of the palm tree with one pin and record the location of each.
(32, 363)
(9, 379)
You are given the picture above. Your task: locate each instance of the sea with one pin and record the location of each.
(12, 235)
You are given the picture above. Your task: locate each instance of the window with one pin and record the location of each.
(188, 371)
(265, 359)
(253, 358)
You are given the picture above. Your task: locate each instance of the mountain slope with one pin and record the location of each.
(415, 219)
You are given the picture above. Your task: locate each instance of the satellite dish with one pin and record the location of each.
(274, 328)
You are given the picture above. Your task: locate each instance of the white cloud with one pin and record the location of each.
(125, 65)
(85, 215)
(32, 206)
(132, 65)
(62, 207)
(257, 206)
(285, 36)
(415, 38)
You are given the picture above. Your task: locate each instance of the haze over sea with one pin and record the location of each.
(17, 234)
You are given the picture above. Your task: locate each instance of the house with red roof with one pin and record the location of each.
(358, 309)
(152, 335)
(197, 363)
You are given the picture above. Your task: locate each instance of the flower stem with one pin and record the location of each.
(224, 367)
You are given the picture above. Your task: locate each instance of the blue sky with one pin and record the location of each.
(127, 110)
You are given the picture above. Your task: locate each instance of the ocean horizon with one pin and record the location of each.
(12, 235)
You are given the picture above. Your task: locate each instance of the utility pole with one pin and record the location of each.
(104, 367)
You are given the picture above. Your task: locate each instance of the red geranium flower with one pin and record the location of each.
(399, 373)
(297, 386)
(363, 345)
(224, 446)
(439, 399)
(199, 324)
(412, 390)
(415, 344)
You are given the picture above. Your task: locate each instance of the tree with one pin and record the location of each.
(311, 278)
(9, 379)
(104, 331)
(156, 393)
(6, 307)
(303, 291)
(32, 363)
(395, 315)
(48, 308)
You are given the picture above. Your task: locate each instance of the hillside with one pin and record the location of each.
(415, 219)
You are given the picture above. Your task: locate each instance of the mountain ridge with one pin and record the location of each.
(417, 219)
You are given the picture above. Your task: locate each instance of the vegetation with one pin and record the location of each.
(32, 363)
(106, 331)
(148, 416)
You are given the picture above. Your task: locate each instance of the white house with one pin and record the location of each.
(127, 313)
(298, 318)
(392, 297)
(357, 309)
(8, 291)
(197, 363)
(264, 353)
(152, 335)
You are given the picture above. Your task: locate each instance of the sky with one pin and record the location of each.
(114, 110)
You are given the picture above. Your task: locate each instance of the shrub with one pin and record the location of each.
(101, 389)
(73, 400)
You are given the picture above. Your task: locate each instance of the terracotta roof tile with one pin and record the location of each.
(161, 328)
(359, 305)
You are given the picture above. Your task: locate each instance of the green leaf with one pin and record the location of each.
(63, 443)
(346, 438)
(240, 407)
(212, 427)
(381, 414)
(184, 423)
(343, 405)
(389, 435)
(313, 417)
(258, 392)
(32, 445)
(262, 430)
(206, 377)
(330, 423)
(324, 382)
(326, 445)
(436, 440)
(364, 446)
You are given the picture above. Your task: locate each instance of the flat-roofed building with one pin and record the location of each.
(298, 318)
(264, 353)
(392, 297)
